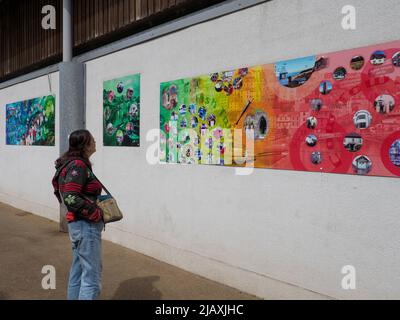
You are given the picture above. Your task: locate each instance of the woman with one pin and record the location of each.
(75, 186)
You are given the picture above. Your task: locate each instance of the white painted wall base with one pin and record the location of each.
(31, 207)
(233, 276)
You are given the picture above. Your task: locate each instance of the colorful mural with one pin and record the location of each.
(31, 122)
(337, 112)
(121, 111)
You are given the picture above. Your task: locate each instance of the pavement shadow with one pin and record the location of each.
(138, 289)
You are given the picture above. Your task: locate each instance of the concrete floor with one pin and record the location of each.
(28, 242)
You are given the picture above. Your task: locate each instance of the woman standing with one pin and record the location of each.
(75, 186)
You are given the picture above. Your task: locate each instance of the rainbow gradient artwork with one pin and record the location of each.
(336, 112)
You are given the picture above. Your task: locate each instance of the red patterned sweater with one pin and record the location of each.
(78, 188)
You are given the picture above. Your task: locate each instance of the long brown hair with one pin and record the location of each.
(79, 141)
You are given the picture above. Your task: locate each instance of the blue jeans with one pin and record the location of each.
(85, 274)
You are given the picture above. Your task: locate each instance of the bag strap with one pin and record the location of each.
(102, 185)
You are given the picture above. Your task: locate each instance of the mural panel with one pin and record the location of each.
(31, 122)
(337, 112)
(121, 111)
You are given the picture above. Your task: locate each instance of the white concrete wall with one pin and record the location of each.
(26, 171)
(276, 234)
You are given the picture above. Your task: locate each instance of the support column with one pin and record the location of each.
(67, 31)
(72, 94)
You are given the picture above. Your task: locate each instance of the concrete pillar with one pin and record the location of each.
(72, 113)
(67, 31)
(72, 94)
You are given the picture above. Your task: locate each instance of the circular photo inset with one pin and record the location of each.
(316, 157)
(243, 72)
(325, 87)
(339, 73)
(238, 83)
(129, 128)
(311, 140)
(214, 77)
(378, 57)
(202, 113)
(352, 142)
(129, 93)
(396, 59)
(362, 119)
(261, 125)
(111, 95)
(110, 128)
(227, 75)
(357, 62)
(312, 122)
(119, 136)
(211, 120)
(394, 153)
(362, 164)
(133, 109)
(316, 104)
(194, 122)
(219, 86)
(182, 109)
(228, 88)
(120, 87)
(384, 103)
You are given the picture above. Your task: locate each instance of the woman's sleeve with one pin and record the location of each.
(75, 179)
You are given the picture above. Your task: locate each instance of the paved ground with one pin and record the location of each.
(28, 242)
